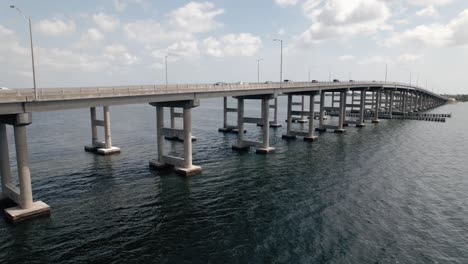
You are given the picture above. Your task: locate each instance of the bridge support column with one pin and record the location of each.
(22, 196)
(362, 109)
(390, 109)
(303, 119)
(377, 107)
(226, 127)
(288, 134)
(275, 122)
(311, 136)
(261, 147)
(102, 148)
(341, 118)
(183, 165)
(322, 112)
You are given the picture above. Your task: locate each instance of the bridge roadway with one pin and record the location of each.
(17, 106)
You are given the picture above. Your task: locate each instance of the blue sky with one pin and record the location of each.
(118, 42)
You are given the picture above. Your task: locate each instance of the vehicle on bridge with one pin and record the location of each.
(288, 81)
(4, 89)
(336, 80)
(314, 81)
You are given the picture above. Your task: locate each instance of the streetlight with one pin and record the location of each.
(281, 60)
(258, 70)
(386, 72)
(165, 59)
(28, 19)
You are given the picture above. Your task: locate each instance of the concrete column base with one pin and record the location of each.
(159, 166)
(178, 138)
(240, 147)
(275, 125)
(286, 136)
(224, 130)
(264, 150)
(339, 130)
(311, 139)
(192, 171)
(109, 151)
(376, 121)
(320, 129)
(302, 121)
(360, 125)
(16, 214)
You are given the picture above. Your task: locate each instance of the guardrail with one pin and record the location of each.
(73, 93)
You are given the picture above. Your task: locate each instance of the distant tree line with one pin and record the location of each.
(458, 97)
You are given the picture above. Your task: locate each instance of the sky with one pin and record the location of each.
(125, 42)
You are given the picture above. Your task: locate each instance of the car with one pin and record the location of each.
(242, 83)
(314, 81)
(288, 81)
(351, 80)
(220, 83)
(336, 80)
(4, 89)
(268, 82)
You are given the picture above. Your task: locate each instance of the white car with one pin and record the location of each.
(4, 89)
(241, 83)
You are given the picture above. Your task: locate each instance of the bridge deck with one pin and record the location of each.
(50, 99)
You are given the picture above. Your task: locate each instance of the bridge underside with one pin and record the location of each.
(354, 106)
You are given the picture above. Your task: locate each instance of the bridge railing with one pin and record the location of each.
(48, 94)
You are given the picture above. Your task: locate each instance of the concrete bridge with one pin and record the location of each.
(358, 100)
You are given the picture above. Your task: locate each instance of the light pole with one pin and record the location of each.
(28, 19)
(281, 60)
(386, 72)
(275, 120)
(258, 70)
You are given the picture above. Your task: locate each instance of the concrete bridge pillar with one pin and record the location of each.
(261, 147)
(303, 119)
(390, 109)
(182, 165)
(288, 134)
(362, 109)
(311, 136)
(275, 122)
(322, 111)
(99, 147)
(342, 114)
(22, 196)
(377, 107)
(226, 127)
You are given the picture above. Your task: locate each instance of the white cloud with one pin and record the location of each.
(408, 58)
(346, 58)
(374, 60)
(107, 23)
(281, 31)
(121, 5)
(196, 17)
(344, 18)
(243, 44)
(184, 49)
(55, 27)
(91, 38)
(151, 31)
(119, 53)
(454, 33)
(286, 3)
(429, 11)
(430, 2)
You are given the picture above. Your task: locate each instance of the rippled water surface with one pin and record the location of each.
(396, 192)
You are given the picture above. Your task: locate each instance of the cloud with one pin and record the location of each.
(119, 53)
(184, 22)
(286, 3)
(243, 44)
(430, 2)
(408, 58)
(107, 23)
(55, 27)
(121, 5)
(184, 49)
(454, 33)
(196, 17)
(281, 31)
(346, 58)
(343, 18)
(91, 38)
(429, 11)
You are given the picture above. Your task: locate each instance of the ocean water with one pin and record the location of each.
(395, 192)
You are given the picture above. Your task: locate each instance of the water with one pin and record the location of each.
(395, 192)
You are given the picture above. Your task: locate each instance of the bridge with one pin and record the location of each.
(354, 103)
